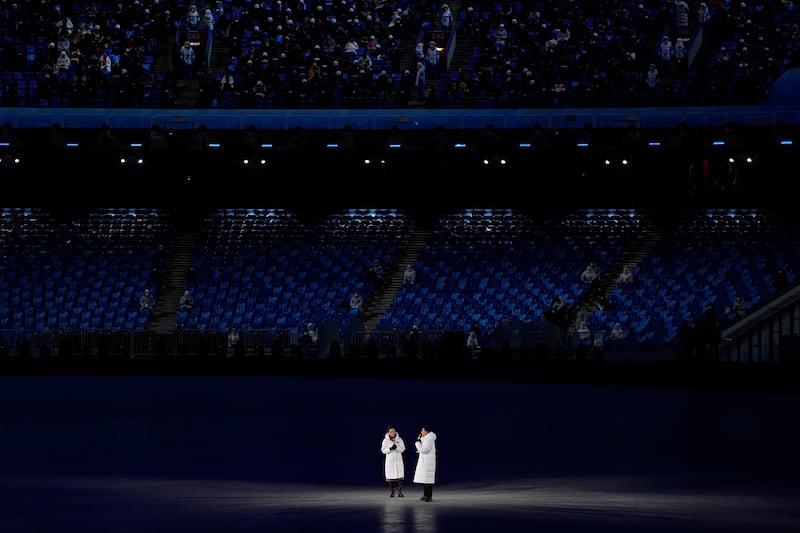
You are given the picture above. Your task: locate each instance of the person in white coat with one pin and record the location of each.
(425, 472)
(394, 467)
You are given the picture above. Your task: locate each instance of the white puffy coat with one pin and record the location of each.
(426, 460)
(394, 467)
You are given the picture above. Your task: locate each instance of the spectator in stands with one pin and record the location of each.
(63, 64)
(392, 447)
(500, 37)
(432, 60)
(410, 275)
(681, 14)
(652, 81)
(357, 301)
(104, 63)
(235, 345)
(617, 333)
(471, 23)
(447, 19)
(186, 301)
(147, 301)
(419, 80)
(393, 53)
(376, 274)
(208, 20)
(681, 57)
(260, 90)
(227, 84)
(703, 14)
(308, 341)
(193, 17)
(666, 51)
(560, 313)
(419, 52)
(328, 46)
(383, 86)
(581, 312)
(351, 47)
(373, 46)
(414, 342)
(738, 307)
(584, 333)
(474, 326)
(182, 341)
(602, 302)
(364, 63)
(405, 89)
(312, 332)
(599, 346)
(627, 275)
(473, 344)
(589, 274)
(187, 56)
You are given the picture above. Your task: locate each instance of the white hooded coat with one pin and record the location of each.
(426, 460)
(394, 468)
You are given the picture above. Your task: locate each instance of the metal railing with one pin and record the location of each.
(142, 344)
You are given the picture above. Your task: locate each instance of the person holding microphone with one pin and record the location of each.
(393, 447)
(425, 473)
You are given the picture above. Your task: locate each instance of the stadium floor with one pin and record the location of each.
(213, 453)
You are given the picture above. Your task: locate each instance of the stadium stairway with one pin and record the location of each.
(609, 279)
(165, 314)
(380, 301)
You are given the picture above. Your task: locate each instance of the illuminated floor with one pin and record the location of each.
(210, 454)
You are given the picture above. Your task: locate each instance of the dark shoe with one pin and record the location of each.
(423, 499)
(400, 494)
(392, 494)
(427, 499)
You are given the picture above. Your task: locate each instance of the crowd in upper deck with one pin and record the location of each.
(348, 53)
